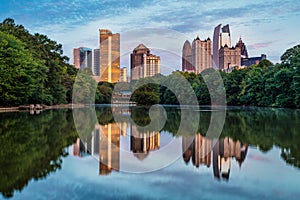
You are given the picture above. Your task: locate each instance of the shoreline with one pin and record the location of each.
(28, 108)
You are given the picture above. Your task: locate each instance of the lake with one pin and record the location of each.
(108, 152)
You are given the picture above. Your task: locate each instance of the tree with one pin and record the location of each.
(21, 74)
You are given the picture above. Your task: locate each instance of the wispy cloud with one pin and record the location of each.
(76, 23)
(260, 45)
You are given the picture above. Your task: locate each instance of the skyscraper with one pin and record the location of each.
(82, 58)
(187, 57)
(109, 56)
(221, 38)
(97, 62)
(201, 54)
(143, 63)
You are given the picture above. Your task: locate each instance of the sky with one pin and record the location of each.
(266, 27)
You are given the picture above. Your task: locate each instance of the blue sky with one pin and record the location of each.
(268, 27)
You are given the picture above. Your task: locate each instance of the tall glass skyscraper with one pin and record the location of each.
(109, 56)
(221, 38)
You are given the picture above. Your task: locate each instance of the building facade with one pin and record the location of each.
(143, 64)
(123, 74)
(229, 58)
(247, 62)
(109, 56)
(82, 58)
(242, 46)
(220, 39)
(187, 65)
(96, 62)
(201, 54)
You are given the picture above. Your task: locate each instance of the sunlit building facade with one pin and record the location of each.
(143, 64)
(109, 56)
(201, 54)
(229, 58)
(123, 74)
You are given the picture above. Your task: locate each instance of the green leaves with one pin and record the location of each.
(33, 69)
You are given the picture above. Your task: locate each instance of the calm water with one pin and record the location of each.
(48, 156)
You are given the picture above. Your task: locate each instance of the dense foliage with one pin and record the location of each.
(32, 68)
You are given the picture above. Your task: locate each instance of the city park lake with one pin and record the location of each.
(117, 156)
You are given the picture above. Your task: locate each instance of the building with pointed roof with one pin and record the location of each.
(187, 65)
(242, 46)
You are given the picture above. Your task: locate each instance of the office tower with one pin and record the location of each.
(82, 58)
(242, 46)
(123, 74)
(221, 38)
(97, 62)
(143, 63)
(187, 65)
(201, 54)
(109, 56)
(229, 58)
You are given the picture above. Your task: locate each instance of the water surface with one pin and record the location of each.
(43, 156)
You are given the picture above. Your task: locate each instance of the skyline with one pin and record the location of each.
(77, 23)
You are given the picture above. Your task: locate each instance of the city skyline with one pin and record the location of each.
(273, 19)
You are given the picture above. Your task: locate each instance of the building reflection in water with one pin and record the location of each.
(143, 142)
(200, 150)
(105, 142)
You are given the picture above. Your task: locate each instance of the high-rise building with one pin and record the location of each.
(187, 65)
(201, 54)
(123, 74)
(143, 63)
(242, 46)
(82, 58)
(229, 58)
(221, 38)
(109, 56)
(97, 62)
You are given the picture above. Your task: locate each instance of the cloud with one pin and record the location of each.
(261, 45)
(77, 22)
